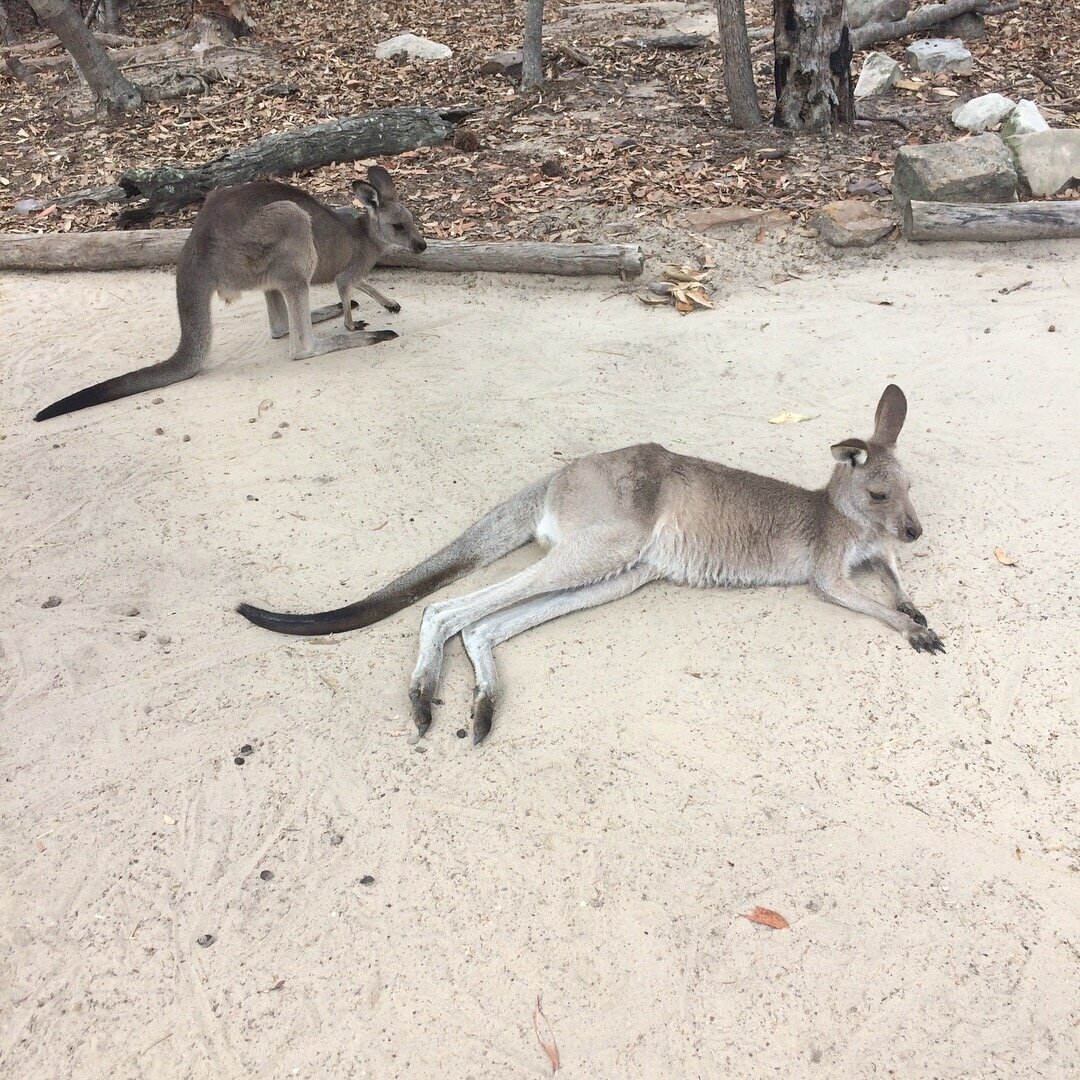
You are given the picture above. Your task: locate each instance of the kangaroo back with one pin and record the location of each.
(502, 530)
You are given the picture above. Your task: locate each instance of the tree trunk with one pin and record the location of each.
(532, 68)
(161, 247)
(385, 132)
(101, 74)
(925, 18)
(16, 68)
(992, 221)
(812, 45)
(110, 19)
(738, 69)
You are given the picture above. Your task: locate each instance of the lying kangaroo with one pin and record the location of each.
(273, 237)
(615, 521)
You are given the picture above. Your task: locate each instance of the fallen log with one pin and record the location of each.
(140, 248)
(378, 134)
(29, 48)
(994, 222)
(925, 18)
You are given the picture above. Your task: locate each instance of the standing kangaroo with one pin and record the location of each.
(276, 238)
(615, 521)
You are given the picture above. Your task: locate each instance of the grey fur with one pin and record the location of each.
(276, 238)
(613, 522)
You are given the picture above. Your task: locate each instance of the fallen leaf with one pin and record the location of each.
(546, 1044)
(682, 274)
(790, 418)
(39, 845)
(908, 84)
(382, 526)
(168, 819)
(1005, 560)
(766, 917)
(944, 91)
(331, 682)
(1019, 855)
(265, 404)
(278, 985)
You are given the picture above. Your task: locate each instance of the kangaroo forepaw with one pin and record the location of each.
(925, 640)
(393, 307)
(913, 613)
(483, 709)
(421, 699)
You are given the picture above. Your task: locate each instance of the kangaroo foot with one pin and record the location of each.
(925, 640)
(913, 613)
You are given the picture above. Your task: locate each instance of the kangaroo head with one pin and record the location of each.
(388, 217)
(870, 484)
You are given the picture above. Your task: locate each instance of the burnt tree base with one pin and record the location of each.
(812, 69)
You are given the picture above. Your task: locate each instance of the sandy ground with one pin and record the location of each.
(659, 766)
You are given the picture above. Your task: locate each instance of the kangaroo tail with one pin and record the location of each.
(510, 525)
(193, 301)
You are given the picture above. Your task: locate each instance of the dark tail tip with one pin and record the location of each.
(81, 399)
(382, 335)
(323, 622)
(55, 409)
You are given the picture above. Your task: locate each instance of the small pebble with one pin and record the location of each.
(267, 875)
(53, 601)
(186, 438)
(284, 424)
(131, 612)
(159, 431)
(247, 748)
(420, 749)
(157, 401)
(367, 879)
(138, 635)
(275, 434)
(206, 940)
(252, 419)
(461, 733)
(1051, 329)
(164, 639)
(251, 498)
(335, 839)
(238, 760)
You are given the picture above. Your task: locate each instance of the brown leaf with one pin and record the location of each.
(766, 917)
(1005, 560)
(547, 1038)
(685, 274)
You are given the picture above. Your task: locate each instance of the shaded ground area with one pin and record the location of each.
(660, 766)
(634, 135)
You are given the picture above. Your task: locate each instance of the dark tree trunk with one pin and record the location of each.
(110, 19)
(812, 66)
(738, 69)
(16, 68)
(532, 68)
(101, 74)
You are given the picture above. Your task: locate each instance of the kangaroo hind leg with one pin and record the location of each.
(482, 637)
(567, 566)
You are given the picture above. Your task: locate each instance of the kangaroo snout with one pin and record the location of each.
(419, 245)
(912, 530)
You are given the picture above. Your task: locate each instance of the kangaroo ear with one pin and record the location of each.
(380, 180)
(366, 195)
(853, 450)
(889, 419)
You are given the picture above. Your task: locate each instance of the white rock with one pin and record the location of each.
(879, 73)
(981, 113)
(1047, 160)
(939, 54)
(417, 48)
(1025, 119)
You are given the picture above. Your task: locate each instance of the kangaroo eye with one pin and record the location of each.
(399, 228)
(878, 496)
